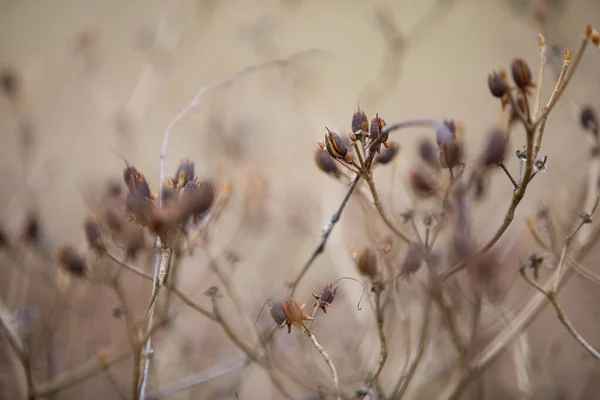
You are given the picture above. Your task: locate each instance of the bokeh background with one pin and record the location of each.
(101, 80)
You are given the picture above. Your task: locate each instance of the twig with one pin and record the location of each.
(515, 184)
(326, 357)
(538, 94)
(21, 350)
(383, 349)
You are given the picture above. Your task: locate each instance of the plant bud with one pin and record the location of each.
(424, 185)
(326, 163)
(360, 122)
(335, 145)
(495, 151)
(367, 263)
(497, 83)
(93, 235)
(71, 261)
(412, 261)
(589, 120)
(521, 74)
(184, 173)
(277, 312)
(387, 155)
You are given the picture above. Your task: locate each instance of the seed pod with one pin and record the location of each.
(377, 125)
(277, 312)
(70, 260)
(450, 154)
(521, 74)
(326, 163)
(387, 155)
(368, 263)
(497, 83)
(294, 314)
(326, 297)
(596, 38)
(427, 153)
(128, 174)
(32, 230)
(196, 201)
(334, 145)
(589, 120)
(495, 150)
(424, 185)
(93, 235)
(9, 81)
(360, 122)
(412, 261)
(184, 173)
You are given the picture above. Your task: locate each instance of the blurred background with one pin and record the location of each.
(98, 82)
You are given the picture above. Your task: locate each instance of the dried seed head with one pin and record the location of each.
(596, 38)
(451, 154)
(377, 125)
(521, 74)
(168, 194)
(294, 314)
(326, 163)
(129, 172)
(184, 173)
(93, 234)
(412, 261)
(427, 153)
(589, 120)
(368, 263)
(335, 145)
(69, 259)
(387, 155)
(277, 312)
(9, 80)
(495, 150)
(360, 122)
(32, 231)
(497, 82)
(423, 184)
(325, 298)
(196, 202)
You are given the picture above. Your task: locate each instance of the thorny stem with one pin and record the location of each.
(326, 357)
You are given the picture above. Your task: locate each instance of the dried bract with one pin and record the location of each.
(294, 314)
(69, 259)
(335, 145)
(368, 263)
(495, 150)
(412, 261)
(326, 163)
(387, 155)
(93, 234)
(326, 297)
(521, 74)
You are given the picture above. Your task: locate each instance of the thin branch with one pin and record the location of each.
(515, 184)
(538, 94)
(326, 357)
(383, 349)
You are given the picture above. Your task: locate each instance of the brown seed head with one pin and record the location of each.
(388, 154)
(326, 163)
(360, 122)
(497, 82)
(184, 173)
(277, 312)
(451, 154)
(495, 150)
(93, 234)
(596, 38)
(589, 120)
(69, 259)
(335, 145)
(423, 184)
(196, 201)
(368, 263)
(294, 314)
(521, 74)
(377, 125)
(412, 261)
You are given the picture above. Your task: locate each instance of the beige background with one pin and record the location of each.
(145, 60)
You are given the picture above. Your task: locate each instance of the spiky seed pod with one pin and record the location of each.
(326, 163)
(360, 122)
(335, 145)
(424, 185)
(427, 153)
(9, 81)
(277, 312)
(93, 234)
(495, 150)
(387, 155)
(195, 202)
(521, 74)
(184, 173)
(368, 263)
(294, 314)
(326, 297)
(412, 261)
(69, 259)
(589, 120)
(497, 82)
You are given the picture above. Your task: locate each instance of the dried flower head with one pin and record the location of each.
(423, 184)
(521, 74)
(9, 80)
(412, 261)
(69, 259)
(377, 125)
(497, 82)
(360, 122)
(197, 199)
(589, 120)
(184, 173)
(277, 312)
(326, 163)
(335, 145)
(495, 150)
(294, 314)
(451, 154)
(93, 234)
(388, 154)
(326, 297)
(368, 263)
